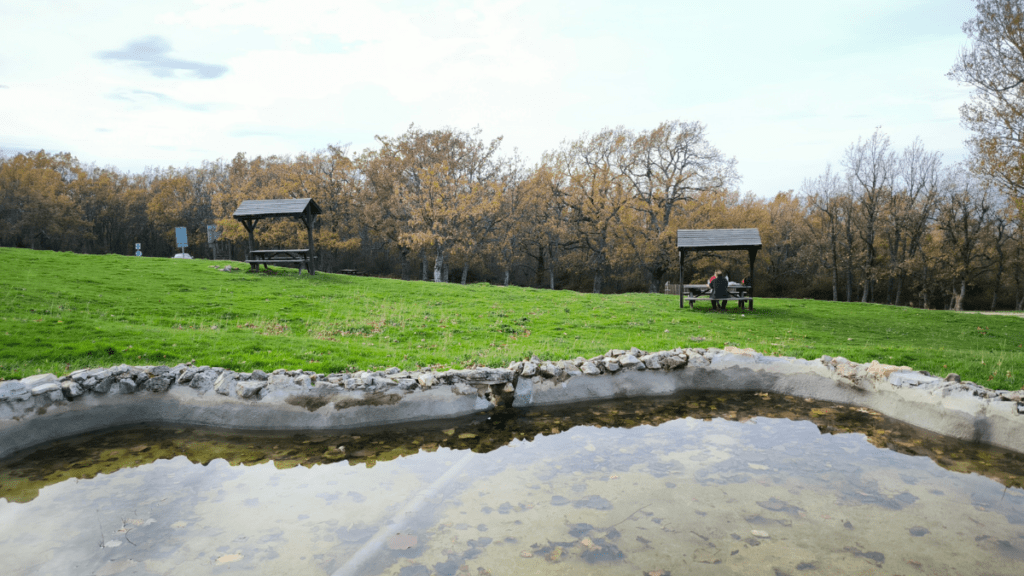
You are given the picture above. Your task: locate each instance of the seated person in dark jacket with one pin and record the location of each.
(719, 285)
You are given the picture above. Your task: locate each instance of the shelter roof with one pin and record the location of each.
(268, 208)
(719, 239)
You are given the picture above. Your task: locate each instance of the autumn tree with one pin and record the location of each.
(594, 194)
(38, 201)
(994, 66)
(909, 212)
(825, 195)
(871, 167)
(964, 220)
(665, 167)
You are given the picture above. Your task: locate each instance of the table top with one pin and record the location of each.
(283, 251)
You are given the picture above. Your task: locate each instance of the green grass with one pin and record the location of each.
(61, 311)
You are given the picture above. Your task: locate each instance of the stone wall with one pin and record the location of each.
(46, 407)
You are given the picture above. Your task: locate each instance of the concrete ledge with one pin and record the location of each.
(44, 408)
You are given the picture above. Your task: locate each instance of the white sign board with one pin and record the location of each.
(182, 236)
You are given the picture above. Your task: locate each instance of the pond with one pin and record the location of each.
(723, 484)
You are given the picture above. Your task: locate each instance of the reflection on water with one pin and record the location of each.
(692, 486)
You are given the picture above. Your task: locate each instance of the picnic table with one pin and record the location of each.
(737, 293)
(301, 256)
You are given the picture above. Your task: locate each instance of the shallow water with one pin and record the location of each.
(679, 495)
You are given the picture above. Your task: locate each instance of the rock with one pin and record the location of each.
(463, 389)
(103, 386)
(44, 388)
(38, 380)
(123, 386)
(304, 380)
(225, 384)
(72, 389)
(672, 362)
(952, 377)
(407, 383)
(550, 370)
(569, 368)
(651, 362)
(158, 384)
(14, 390)
(203, 381)
(529, 369)
(589, 368)
(627, 360)
(249, 388)
(425, 380)
(615, 353)
(611, 366)
(258, 375)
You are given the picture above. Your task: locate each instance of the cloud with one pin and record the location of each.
(146, 97)
(152, 53)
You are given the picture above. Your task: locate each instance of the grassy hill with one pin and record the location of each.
(61, 311)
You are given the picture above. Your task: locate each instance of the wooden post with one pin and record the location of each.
(682, 257)
(309, 230)
(250, 225)
(752, 255)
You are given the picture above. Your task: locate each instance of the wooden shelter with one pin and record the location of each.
(305, 210)
(748, 239)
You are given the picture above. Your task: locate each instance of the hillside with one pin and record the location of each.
(63, 311)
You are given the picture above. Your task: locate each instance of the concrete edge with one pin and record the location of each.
(45, 408)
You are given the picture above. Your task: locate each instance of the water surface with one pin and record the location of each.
(695, 485)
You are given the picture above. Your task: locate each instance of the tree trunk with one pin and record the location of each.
(506, 277)
(597, 283)
(465, 272)
(958, 298)
(438, 266)
(404, 254)
(899, 288)
(849, 285)
(540, 266)
(995, 285)
(425, 260)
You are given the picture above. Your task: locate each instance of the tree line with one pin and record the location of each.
(599, 213)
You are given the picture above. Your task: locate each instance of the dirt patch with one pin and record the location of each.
(311, 403)
(1015, 314)
(372, 399)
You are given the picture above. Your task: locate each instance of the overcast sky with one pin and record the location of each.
(784, 87)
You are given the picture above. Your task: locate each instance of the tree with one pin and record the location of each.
(664, 168)
(994, 65)
(965, 221)
(825, 196)
(594, 193)
(871, 167)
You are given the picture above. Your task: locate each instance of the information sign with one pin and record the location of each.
(182, 236)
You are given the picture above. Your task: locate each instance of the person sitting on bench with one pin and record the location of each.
(719, 285)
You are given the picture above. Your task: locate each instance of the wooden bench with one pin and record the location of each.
(300, 256)
(741, 299)
(701, 292)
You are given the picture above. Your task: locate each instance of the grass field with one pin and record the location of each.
(61, 311)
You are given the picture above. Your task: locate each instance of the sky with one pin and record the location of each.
(783, 87)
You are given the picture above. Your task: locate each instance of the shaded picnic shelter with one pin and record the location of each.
(717, 239)
(305, 210)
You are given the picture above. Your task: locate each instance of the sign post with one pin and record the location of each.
(181, 235)
(138, 249)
